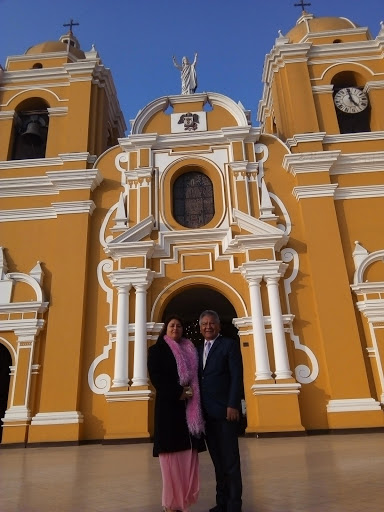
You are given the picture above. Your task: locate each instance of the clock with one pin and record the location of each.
(351, 100)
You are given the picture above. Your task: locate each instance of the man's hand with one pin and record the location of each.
(232, 414)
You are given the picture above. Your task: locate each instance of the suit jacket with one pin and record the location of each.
(171, 432)
(221, 380)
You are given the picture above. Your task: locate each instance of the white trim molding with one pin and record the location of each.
(276, 389)
(353, 405)
(312, 191)
(129, 396)
(51, 184)
(362, 192)
(57, 418)
(50, 212)
(319, 161)
(353, 137)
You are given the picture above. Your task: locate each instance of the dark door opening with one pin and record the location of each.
(5, 363)
(193, 301)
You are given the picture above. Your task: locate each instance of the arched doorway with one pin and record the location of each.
(194, 300)
(5, 363)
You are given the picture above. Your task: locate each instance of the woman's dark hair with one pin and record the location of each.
(163, 331)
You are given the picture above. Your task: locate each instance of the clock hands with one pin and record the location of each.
(351, 98)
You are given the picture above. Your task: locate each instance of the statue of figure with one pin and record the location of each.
(188, 75)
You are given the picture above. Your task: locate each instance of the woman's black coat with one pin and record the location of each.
(171, 431)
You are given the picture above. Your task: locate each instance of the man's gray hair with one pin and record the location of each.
(209, 312)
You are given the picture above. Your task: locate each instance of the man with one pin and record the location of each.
(221, 385)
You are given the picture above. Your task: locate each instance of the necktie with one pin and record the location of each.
(207, 348)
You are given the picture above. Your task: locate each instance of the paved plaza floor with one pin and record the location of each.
(324, 473)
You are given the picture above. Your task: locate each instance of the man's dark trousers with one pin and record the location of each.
(223, 446)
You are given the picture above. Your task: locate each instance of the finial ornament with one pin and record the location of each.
(70, 25)
(188, 74)
(302, 4)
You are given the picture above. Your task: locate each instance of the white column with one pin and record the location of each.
(282, 370)
(121, 345)
(140, 354)
(263, 370)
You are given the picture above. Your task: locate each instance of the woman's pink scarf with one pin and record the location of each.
(187, 367)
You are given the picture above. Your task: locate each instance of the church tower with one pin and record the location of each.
(323, 98)
(58, 112)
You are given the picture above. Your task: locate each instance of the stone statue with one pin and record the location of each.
(188, 75)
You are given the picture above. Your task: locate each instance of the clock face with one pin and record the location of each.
(351, 100)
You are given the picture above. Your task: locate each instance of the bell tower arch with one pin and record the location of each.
(5, 370)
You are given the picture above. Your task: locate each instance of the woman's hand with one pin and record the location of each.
(187, 393)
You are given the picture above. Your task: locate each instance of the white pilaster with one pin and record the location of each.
(140, 361)
(21, 383)
(121, 345)
(263, 370)
(282, 370)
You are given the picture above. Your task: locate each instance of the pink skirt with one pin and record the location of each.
(180, 473)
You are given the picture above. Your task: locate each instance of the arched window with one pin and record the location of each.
(30, 130)
(193, 203)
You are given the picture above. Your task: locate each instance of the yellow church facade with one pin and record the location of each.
(277, 227)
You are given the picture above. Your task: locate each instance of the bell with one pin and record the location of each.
(33, 134)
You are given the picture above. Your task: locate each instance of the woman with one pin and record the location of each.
(179, 425)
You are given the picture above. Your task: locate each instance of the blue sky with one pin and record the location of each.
(137, 38)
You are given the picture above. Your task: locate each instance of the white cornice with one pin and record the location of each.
(321, 161)
(23, 307)
(7, 114)
(129, 396)
(47, 162)
(314, 191)
(48, 212)
(322, 89)
(372, 309)
(341, 50)
(305, 137)
(67, 207)
(282, 54)
(353, 405)
(75, 180)
(132, 277)
(353, 137)
(223, 136)
(41, 57)
(362, 192)
(35, 76)
(276, 389)
(262, 269)
(373, 85)
(80, 67)
(190, 237)
(369, 289)
(57, 418)
(52, 183)
(352, 163)
(57, 111)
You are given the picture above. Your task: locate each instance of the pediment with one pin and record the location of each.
(255, 226)
(135, 233)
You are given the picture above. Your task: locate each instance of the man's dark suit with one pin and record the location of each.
(221, 384)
